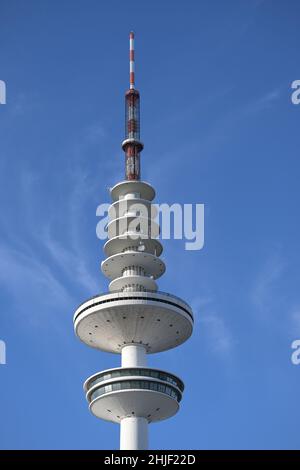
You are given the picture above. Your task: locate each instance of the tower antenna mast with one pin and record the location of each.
(132, 144)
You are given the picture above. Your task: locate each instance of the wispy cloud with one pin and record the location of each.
(295, 322)
(215, 329)
(72, 262)
(265, 284)
(68, 247)
(31, 284)
(45, 256)
(272, 305)
(223, 127)
(23, 103)
(94, 133)
(226, 125)
(264, 102)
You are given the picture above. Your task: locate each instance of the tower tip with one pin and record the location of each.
(131, 59)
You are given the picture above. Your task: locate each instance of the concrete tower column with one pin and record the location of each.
(134, 430)
(134, 355)
(134, 434)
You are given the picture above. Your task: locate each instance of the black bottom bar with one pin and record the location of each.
(134, 459)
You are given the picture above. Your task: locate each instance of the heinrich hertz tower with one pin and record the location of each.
(134, 318)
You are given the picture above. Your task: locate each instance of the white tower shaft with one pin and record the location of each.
(134, 356)
(134, 434)
(134, 430)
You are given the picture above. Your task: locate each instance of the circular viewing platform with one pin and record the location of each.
(136, 241)
(145, 190)
(133, 392)
(156, 320)
(113, 266)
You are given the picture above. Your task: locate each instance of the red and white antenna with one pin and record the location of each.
(132, 145)
(131, 59)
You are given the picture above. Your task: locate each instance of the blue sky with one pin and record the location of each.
(219, 128)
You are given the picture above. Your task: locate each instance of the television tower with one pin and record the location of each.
(134, 318)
